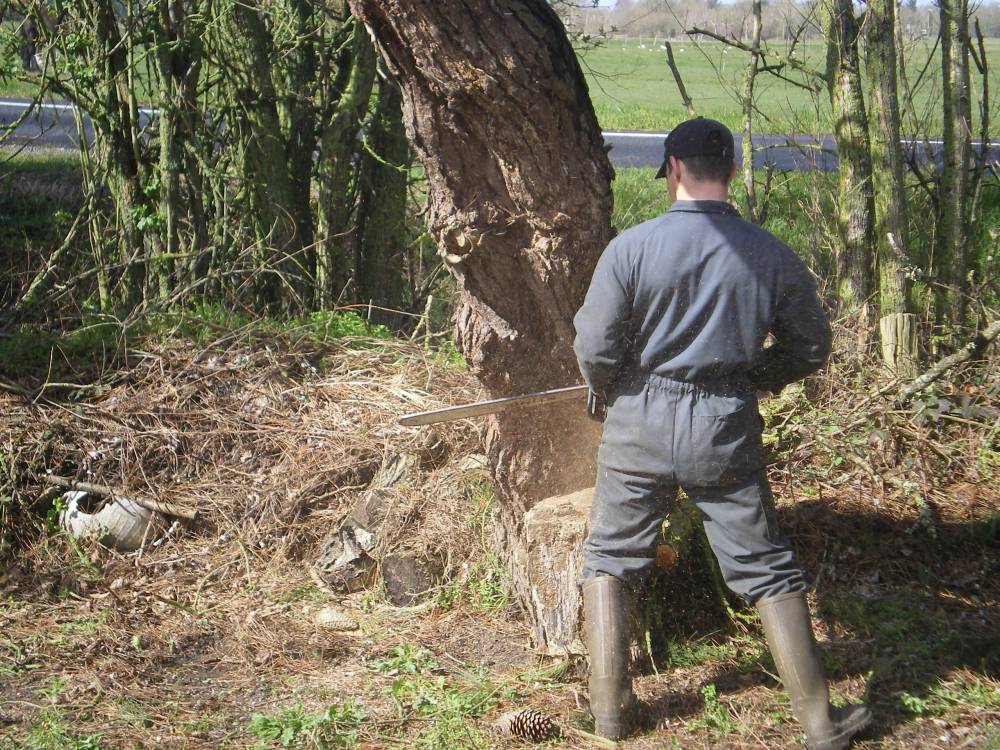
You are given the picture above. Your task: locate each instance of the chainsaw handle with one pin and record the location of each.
(597, 405)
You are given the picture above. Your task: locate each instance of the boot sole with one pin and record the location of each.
(855, 724)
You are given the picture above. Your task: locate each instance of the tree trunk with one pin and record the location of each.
(889, 190)
(756, 212)
(271, 151)
(953, 201)
(381, 237)
(854, 203)
(344, 104)
(115, 126)
(519, 202)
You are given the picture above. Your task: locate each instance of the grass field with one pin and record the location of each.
(632, 87)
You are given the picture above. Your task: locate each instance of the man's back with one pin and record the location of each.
(692, 295)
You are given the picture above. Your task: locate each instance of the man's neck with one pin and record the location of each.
(703, 191)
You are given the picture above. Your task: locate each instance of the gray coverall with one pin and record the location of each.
(672, 331)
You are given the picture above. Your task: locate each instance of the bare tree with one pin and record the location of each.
(897, 323)
(854, 205)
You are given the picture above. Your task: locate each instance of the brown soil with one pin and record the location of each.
(180, 644)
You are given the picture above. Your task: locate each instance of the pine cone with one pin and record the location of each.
(528, 724)
(332, 618)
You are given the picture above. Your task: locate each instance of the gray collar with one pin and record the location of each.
(703, 207)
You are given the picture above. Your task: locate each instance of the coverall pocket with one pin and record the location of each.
(725, 439)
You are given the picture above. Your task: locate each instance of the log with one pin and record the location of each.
(347, 557)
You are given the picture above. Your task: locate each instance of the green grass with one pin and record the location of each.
(51, 730)
(714, 715)
(39, 191)
(699, 651)
(632, 88)
(448, 708)
(484, 585)
(294, 727)
(32, 353)
(797, 199)
(406, 658)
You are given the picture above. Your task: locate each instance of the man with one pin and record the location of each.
(671, 334)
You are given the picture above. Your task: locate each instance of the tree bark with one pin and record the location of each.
(519, 203)
(381, 238)
(954, 234)
(344, 104)
(756, 212)
(855, 207)
(888, 187)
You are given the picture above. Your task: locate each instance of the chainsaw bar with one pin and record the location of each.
(478, 409)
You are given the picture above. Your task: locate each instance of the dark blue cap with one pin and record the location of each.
(698, 137)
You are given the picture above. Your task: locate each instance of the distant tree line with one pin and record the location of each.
(782, 19)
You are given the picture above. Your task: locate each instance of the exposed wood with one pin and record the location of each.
(899, 344)
(105, 491)
(550, 561)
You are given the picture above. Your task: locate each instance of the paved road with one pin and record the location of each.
(53, 126)
(798, 153)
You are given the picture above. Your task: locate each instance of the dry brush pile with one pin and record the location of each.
(270, 439)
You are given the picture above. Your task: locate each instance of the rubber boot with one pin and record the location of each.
(796, 655)
(606, 612)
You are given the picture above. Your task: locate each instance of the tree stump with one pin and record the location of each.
(899, 345)
(546, 567)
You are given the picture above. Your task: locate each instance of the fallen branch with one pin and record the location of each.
(105, 491)
(899, 392)
(973, 349)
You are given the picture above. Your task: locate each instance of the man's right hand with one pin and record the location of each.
(597, 406)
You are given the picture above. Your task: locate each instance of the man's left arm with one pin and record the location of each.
(602, 321)
(801, 331)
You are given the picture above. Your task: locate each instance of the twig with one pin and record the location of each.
(15, 388)
(901, 393)
(973, 349)
(672, 64)
(104, 491)
(789, 61)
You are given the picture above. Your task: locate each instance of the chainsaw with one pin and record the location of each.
(596, 406)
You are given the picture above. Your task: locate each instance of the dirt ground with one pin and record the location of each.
(208, 638)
